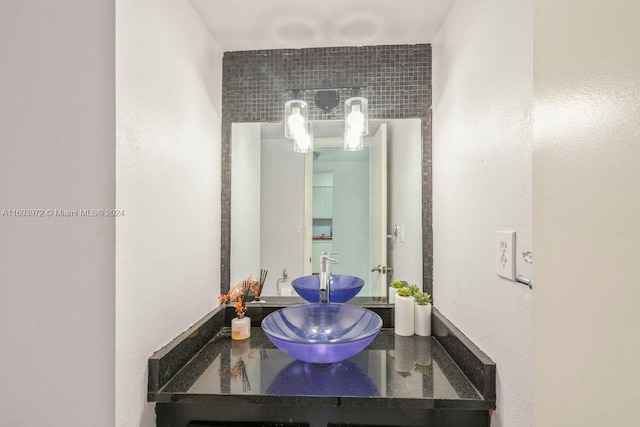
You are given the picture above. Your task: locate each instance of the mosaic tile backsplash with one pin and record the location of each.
(396, 80)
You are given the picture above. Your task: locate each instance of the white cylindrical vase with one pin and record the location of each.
(423, 320)
(405, 315)
(392, 294)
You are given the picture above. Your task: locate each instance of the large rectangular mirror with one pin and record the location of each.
(287, 207)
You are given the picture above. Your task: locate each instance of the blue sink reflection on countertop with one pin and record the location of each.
(322, 332)
(339, 379)
(341, 287)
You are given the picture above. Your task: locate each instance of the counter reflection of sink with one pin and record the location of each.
(342, 287)
(339, 379)
(322, 332)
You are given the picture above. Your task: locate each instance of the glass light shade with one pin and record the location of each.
(296, 116)
(303, 141)
(356, 117)
(353, 141)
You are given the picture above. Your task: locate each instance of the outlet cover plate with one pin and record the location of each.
(505, 254)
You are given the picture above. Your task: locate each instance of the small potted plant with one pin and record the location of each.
(422, 313)
(404, 312)
(393, 289)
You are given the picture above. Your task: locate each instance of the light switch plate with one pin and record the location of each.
(505, 254)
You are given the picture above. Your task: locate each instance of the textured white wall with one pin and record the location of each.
(405, 199)
(245, 201)
(57, 151)
(586, 171)
(168, 173)
(482, 136)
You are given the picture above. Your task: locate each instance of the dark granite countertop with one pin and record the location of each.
(393, 371)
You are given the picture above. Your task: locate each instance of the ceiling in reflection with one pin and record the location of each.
(274, 132)
(281, 24)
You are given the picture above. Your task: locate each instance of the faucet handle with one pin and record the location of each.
(325, 256)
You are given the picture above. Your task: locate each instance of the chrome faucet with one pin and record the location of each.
(325, 276)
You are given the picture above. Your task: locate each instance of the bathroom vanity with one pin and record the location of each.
(204, 378)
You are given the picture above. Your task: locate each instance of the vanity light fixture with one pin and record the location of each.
(327, 100)
(303, 142)
(298, 127)
(296, 114)
(356, 121)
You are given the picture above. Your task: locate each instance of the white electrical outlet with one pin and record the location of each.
(505, 255)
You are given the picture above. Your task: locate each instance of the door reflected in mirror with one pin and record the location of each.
(287, 207)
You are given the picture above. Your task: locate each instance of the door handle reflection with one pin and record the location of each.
(382, 269)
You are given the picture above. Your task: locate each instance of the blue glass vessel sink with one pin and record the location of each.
(342, 287)
(322, 332)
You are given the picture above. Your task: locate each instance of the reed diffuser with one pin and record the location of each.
(256, 286)
(241, 325)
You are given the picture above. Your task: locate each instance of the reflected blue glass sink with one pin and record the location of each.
(338, 379)
(322, 332)
(342, 287)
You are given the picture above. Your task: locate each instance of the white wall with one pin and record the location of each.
(405, 199)
(282, 206)
(482, 136)
(57, 276)
(245, 201)
(586, 213)
(168, 76)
